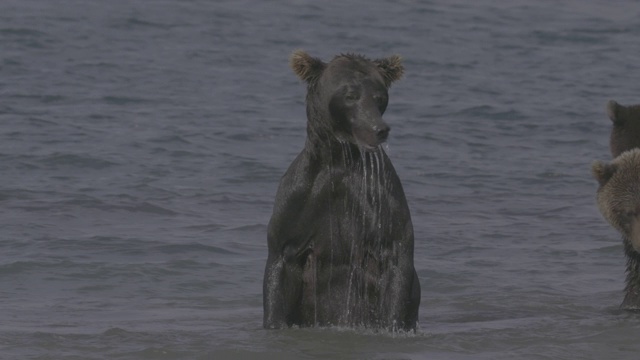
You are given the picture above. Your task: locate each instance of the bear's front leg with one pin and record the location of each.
(402, 300)
(282, 292)
(272, 294)
(632, 290)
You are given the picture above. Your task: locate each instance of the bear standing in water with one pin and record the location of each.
(340, 238)
(619, 191)
(625, 134)
(619, 202)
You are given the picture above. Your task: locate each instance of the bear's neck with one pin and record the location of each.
(330, 151)
(632, 297)
(323, 143)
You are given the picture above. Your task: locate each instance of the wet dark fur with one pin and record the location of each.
(340, 238)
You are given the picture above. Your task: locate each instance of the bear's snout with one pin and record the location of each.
(382, 132)
(371, 135)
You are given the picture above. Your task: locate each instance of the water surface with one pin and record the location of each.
(141, 144)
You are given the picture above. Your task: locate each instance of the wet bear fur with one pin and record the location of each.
(619, 202)
(340, 238)
(625, 133)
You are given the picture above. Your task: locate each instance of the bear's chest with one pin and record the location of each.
(361, 213)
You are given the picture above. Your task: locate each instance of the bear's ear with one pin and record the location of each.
(612, 112)
(603, 171)
(307, 68)
(391, 68)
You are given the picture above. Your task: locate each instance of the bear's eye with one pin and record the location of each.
(352, 97)
(380, 99)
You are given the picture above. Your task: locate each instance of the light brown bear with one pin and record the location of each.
(619, 202)
(625, 134)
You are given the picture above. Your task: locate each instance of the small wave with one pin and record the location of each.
(23, 266)
(136, 22)
(208, 228)
(148, 208)
(45, 99)
(15, 193)
(17, 267)
(253, 227)
(20, 32)
(158, 352)
(75, 160)
(572, 37)
(173, 138)
(490, 112)
(116, 331)
(193, 247)
(27, 38)
(124, 100)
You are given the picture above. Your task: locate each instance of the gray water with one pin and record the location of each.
(141, 144)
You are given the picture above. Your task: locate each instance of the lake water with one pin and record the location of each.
(141, 144)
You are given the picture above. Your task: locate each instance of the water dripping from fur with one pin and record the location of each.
(373, 186)
(369, 165)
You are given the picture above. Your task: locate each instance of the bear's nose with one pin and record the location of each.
(382, 132)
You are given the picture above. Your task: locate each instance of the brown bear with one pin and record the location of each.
(625, 134)
(340, 238)
(619, 202)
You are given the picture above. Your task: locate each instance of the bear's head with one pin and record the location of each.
(619, 194)
(347, 96)
(625, 134)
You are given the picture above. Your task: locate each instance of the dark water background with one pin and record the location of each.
(141, 143)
